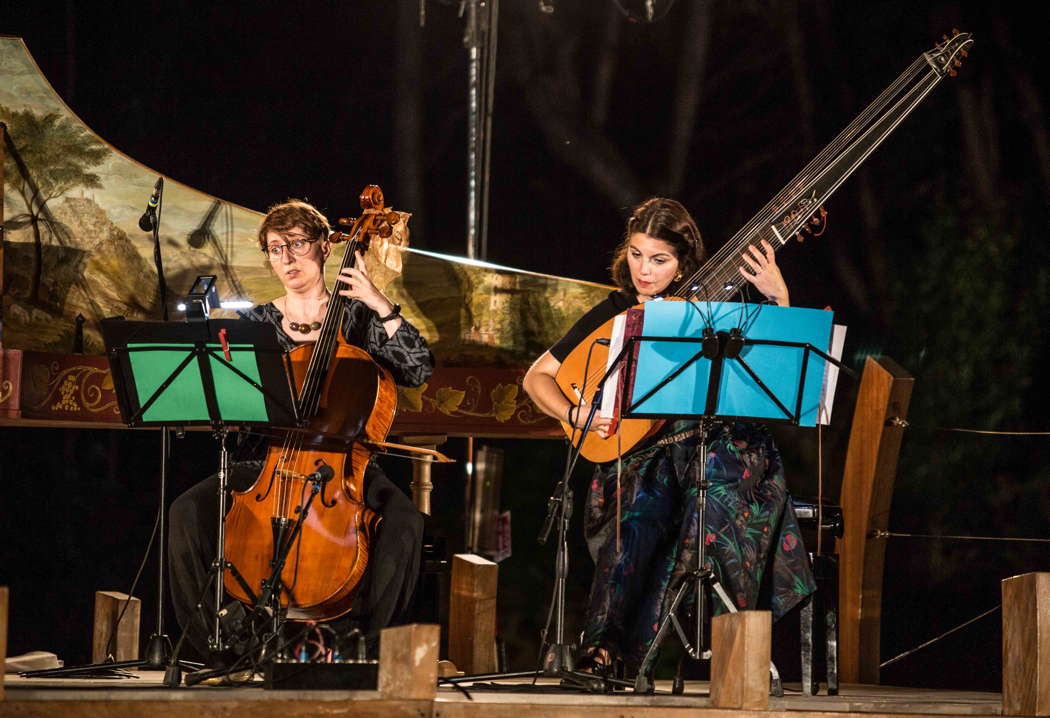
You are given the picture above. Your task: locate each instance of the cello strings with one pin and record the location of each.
(320, 358)
(310, 400)
(291, 447)
(330, 329)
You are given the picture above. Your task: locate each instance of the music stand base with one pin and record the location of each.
(158, 652)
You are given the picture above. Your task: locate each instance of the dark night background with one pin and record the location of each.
(935, 254)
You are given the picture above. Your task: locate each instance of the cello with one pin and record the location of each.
(349, 402)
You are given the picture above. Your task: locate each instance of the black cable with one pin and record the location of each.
(131, 591)
(933, 640)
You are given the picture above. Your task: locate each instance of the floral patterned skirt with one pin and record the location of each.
(751, 535)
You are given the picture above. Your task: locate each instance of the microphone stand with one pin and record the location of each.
(158, 649)
(558, 660)
(267, 605)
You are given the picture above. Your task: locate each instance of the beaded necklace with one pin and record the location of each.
(304, 327)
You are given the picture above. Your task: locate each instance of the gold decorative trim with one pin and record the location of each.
(505, 402)
(7, 388)
(76, 389)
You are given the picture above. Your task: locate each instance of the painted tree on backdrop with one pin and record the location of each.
(49, 155)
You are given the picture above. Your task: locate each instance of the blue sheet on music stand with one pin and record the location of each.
(778, 367)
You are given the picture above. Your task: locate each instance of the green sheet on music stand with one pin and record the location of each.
(183, 398)
(175, 373)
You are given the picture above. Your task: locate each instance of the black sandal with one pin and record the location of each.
(598, 661)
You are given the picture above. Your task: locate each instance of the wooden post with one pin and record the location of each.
(3, 637)
(3, 157)
(472, 613)
(740, 660)
(108, 605)
(408, 661)
(867, 487)
(421, 485)
(1026, 645)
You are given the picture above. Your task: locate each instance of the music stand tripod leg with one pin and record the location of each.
(215, 642)
(700, 578)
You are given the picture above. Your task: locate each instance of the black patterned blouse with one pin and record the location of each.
(405, 354)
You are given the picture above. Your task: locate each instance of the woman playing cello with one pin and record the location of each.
(294, 237)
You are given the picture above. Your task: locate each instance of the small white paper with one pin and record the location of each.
(608, 408)
(831, 375)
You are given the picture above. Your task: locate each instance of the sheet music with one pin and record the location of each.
(831, 374)
(608, 409)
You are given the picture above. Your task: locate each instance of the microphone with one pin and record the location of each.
(323, 474)
(148, 218)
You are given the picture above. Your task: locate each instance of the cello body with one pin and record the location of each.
(323, 571)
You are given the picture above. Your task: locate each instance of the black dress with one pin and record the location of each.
(390, 580)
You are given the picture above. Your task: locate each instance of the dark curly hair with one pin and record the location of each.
(294, 213)
(665, 219)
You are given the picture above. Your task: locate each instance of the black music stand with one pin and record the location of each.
(719, 348)
(214, 373)
(199, 373)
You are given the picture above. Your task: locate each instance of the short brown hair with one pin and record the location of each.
(294, 213)
(665, 219)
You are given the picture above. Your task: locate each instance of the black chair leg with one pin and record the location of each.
(809, 686)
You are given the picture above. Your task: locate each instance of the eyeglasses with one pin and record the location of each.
(298, 246)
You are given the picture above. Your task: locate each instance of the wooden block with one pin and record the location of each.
(3, 637)
(1026, 645)
(472, 613)
(108, 605)
(740, 659)
(408, 661)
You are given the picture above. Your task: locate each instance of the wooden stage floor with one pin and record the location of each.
(145, 696)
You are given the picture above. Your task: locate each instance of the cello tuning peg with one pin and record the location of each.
(955, 31)
(381, 230)
(957, 63)
(799, 238)
(393, 217)
(964, 52)
(952, 73)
